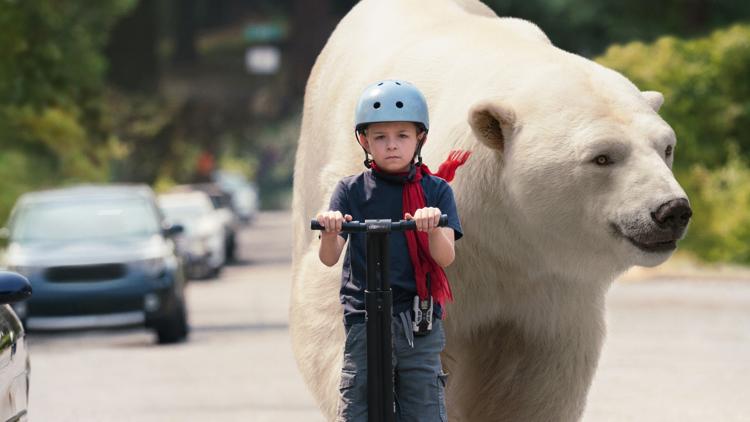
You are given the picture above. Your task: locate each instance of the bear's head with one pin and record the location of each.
(583, 167)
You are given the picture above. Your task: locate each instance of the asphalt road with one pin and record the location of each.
(677, 350)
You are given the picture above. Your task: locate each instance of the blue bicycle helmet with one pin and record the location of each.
(391, 100)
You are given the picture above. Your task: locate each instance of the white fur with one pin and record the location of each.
(539, 254)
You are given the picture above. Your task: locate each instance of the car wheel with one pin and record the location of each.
(174, 328)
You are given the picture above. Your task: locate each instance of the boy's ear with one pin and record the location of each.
(492, 122)
(363, 141)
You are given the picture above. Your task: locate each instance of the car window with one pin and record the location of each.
(185, 212)
(84, 219)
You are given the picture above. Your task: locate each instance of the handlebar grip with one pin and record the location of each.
(350, 226)
(356, 226)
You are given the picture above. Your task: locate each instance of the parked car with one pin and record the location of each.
(14, 357)
(97, 256)
(203, 241)
(222, 203)
(244, 194)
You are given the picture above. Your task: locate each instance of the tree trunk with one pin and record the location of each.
(186, 27)
(133, 62)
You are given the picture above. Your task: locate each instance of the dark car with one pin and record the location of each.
(14, 358)
(97, 256)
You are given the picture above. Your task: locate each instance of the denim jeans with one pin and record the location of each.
(419, 380)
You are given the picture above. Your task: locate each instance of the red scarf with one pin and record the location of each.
(418, 242)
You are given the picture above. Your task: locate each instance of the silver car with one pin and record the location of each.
(14, 357)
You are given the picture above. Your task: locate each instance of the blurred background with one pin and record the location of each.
(165, 91)
(198, 102)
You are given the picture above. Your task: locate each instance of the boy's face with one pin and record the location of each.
(391, 144)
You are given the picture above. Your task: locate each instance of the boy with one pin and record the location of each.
(391, 126)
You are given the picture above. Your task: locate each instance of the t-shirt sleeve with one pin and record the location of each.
(447, 204)
(340, 202)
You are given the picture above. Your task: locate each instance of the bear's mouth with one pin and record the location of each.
(653, 242)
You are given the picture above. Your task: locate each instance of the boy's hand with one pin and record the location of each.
(332, 221)
(427, 219)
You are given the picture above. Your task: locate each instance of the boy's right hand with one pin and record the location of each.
(332, 221)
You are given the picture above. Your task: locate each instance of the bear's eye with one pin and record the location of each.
(668, 151)
(602, 160)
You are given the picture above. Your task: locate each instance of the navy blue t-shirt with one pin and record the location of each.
(368, 196)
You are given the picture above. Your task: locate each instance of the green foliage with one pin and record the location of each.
(51, 76)
(720, 198)
(707, 101)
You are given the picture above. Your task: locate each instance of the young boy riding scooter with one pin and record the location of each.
(391, 126)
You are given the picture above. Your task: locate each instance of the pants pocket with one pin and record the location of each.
(442, 380)
(348, 400)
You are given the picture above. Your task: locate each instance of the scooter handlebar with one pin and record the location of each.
(377, 225)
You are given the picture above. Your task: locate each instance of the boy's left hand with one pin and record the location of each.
(427, 219)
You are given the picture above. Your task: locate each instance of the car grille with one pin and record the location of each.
(99, 272)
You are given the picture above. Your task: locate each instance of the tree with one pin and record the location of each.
(588, 26)
(51, 77)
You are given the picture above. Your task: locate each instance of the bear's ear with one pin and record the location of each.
(654, 99)
(492, 123)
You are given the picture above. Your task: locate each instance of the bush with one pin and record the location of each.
(720, 198)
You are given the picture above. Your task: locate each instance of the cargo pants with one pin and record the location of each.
(419, 380)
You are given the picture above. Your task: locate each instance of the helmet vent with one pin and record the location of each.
(398, 83)
(380, 84)
(399, 104)
(376, 105)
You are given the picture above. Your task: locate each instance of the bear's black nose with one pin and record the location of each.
(674, 214)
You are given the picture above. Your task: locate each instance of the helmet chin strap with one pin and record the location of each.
(368, 160)
(418, 152)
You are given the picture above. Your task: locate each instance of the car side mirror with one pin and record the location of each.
(13, 287)
(173, 229)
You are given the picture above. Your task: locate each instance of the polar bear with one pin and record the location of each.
(569, 185)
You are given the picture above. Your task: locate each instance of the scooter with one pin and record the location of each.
(378, 307)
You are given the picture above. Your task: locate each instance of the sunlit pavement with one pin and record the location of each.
(675, 351)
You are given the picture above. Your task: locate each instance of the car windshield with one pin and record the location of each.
(184, 213)
(84, 220)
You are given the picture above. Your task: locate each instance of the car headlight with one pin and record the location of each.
(154, 267)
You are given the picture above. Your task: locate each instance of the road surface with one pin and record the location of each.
(676, 350)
